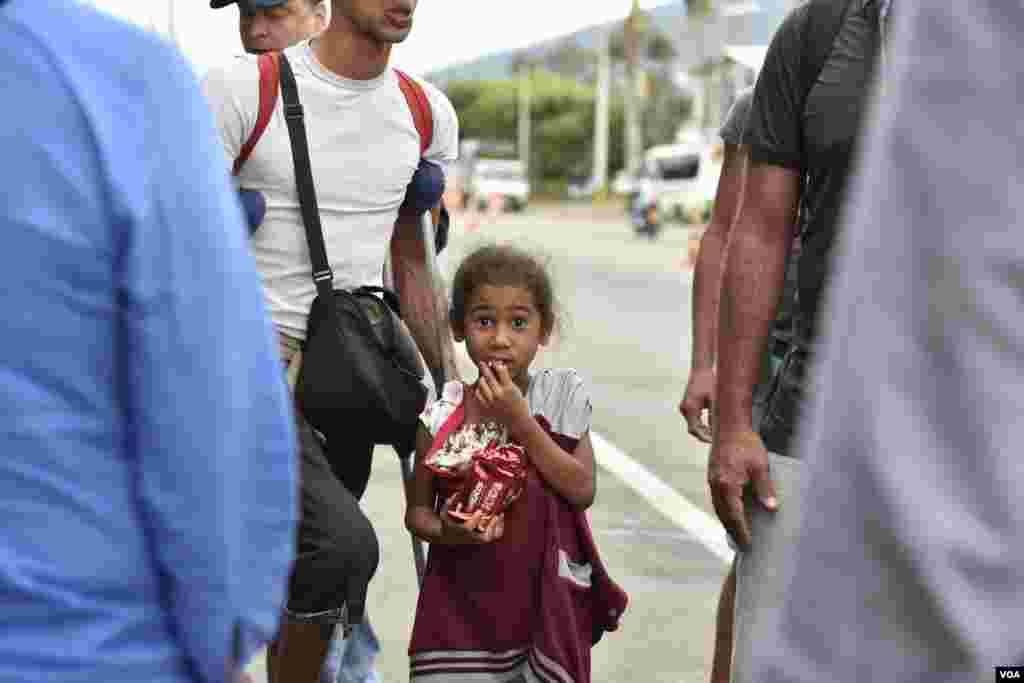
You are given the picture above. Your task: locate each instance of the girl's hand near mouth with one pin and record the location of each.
(500, 397)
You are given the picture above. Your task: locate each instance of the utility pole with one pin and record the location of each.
(172, 30)
(698, 15)
(602, 117)
(632, 44)
(525, 94)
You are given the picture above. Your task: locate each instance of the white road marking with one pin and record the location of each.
(662, 497)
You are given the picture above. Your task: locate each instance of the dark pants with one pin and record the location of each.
(351, 460)
(338, 551)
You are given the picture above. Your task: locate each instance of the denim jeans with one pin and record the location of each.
(353, 660)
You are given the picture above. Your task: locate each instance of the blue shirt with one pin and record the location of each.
(147, 468)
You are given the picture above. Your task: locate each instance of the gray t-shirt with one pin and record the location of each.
(816, 136)
(911, 567)
(736, 119)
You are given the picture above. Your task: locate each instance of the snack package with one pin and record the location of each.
(493, 482)
(456, 456)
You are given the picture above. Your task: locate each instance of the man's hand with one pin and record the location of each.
(699, 397)
(499, 396)
(739, 459)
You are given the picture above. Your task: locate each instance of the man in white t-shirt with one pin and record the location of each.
(364, 149)
(275, 25)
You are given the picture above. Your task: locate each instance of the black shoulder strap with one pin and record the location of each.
(293, 114)
(825, 19)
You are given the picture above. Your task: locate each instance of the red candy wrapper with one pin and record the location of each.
(457, 454)
(493, 483)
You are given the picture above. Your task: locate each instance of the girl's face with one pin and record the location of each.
(503, 325)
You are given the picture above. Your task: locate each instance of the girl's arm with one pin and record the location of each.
(573, 476)
(421, 519)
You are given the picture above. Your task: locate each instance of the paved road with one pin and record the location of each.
(627, 330)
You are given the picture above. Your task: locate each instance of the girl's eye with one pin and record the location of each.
(520, 323)
(484, 322)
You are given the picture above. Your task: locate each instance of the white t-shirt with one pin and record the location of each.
(364, 149)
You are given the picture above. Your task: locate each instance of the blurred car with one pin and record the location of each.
(682, 179)
(502, 177)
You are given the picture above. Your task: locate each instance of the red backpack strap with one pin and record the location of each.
(270, 77)
(419, 105)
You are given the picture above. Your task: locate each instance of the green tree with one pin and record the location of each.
(486, 109)
(660, 48)
(698, 8)
(657, 47)
(647, 54)
(666, 108)
(567, 59)
(563, 122)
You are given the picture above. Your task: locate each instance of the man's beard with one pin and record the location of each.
(373, 28)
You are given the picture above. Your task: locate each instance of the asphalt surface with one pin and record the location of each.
(627, 329)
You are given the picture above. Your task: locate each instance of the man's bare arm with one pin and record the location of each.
(699, 396)
(751, 290)
(707, 275)
(423, 309)
(752, 286)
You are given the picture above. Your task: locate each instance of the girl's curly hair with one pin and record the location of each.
(503, 265)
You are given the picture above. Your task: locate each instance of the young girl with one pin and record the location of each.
(518, 596)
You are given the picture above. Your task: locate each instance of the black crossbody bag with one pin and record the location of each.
(361, 375)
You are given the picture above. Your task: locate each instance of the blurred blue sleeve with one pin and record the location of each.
(212, 429)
